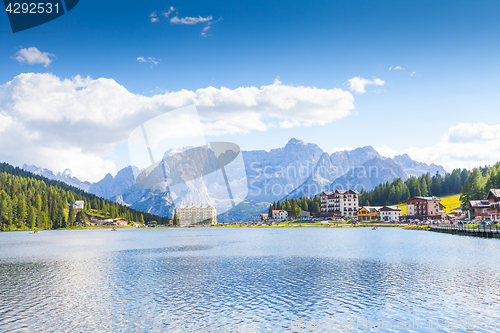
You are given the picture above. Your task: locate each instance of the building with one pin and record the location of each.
(264, 217)
(494, 199)
(480, 208)
(339, 203)
(305, 215)
(79, 204)
(489, 208)
(458, 213)
(369, 213)
(424, 208)
(390, 213)
(193, 215)
(119, 221)
(280, 214)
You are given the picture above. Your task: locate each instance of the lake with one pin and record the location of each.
(248, 280)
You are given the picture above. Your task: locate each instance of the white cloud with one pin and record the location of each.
(190, 20)
(462, 146)
(358, 84)
(289, 123)
(386, 151)
(74, 123)
(204, 31)
(154, 17)
(33, 56)
(170, 11)
(148, 59)
(412, 73)
(397, 68)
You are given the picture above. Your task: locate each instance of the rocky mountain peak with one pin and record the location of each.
(294, 141)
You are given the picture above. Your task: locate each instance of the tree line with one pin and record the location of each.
(426, 185)
(295, 206)
(478, 184)
(29, 201)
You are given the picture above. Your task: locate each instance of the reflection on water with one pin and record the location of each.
(229, 280)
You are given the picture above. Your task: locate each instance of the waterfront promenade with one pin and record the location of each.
(486, 231)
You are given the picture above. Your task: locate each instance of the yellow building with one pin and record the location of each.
(197, 215)
(369, 213)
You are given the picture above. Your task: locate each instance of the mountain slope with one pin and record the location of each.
(65, 177)
(370, 174)
(330, 168)
(110, 186)
(414, 168)
(29, 201)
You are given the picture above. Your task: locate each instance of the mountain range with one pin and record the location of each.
(298, 169)
(65, 176)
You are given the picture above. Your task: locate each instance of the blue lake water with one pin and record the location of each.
(248, 280)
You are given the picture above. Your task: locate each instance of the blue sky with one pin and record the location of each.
(449, 84)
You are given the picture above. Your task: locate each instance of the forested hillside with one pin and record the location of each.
(28, 201)
(425, 185)
(477, 185)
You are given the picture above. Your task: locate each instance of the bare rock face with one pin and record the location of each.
(110, 186)
(414, 168)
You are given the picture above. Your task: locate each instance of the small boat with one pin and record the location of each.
(374, 228)
(34, 232)
(114, 229)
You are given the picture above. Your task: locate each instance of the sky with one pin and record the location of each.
(419, 77)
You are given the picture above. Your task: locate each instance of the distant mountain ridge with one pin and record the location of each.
(65, 176)
(110, 186)
(414, 168)
(297, 169)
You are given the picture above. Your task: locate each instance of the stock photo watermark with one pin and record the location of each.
(25, 15)
(296, 175)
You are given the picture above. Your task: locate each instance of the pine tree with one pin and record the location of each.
(305, 207)
(473, 189)
(423, 186)
(38, 202)
(71, 215)
(31, 218)
(392, 195)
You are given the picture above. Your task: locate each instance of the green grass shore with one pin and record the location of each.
(302, 223)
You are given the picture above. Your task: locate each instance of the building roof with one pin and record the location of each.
(370, 208)
(191, 207)
(479, 203)
(390, 208)
(423, 198)
(495, 193)
(340, 192)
